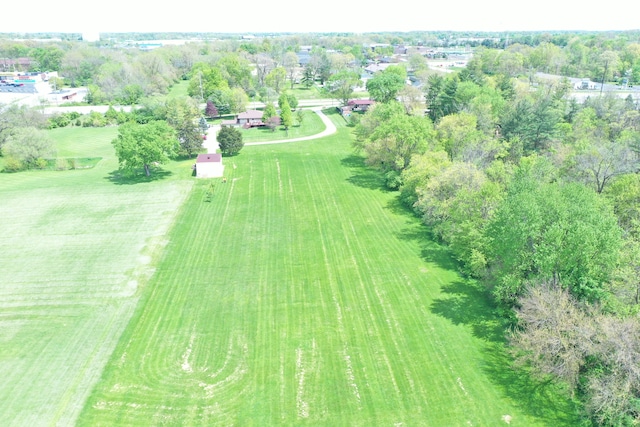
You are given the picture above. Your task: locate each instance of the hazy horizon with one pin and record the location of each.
(252, 16)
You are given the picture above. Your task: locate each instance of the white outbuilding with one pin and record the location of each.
(209, 165)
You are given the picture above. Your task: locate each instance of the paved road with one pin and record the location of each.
(212, 145)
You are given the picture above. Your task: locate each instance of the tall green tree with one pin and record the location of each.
(290, 63)
(342, 84)
(140, 145)
(276, 79)
(533, 120)
(560, 233)
(205, 80)
(392, 144)
(269, 111)
(385, 85)
(182, 115)
(308, 76)
(286, 118)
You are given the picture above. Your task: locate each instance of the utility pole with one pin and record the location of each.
(606, 64)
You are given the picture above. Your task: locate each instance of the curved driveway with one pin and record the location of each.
(212, 145)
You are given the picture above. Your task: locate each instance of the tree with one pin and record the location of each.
(221, 99)
(291, 99)
(268, 112)
(582, 347)
(48, 58)
(210, 110)
(434, 86)
(392, 144)
(309, 76)
(342, 84)
(236, 70)
(28, 145)
(412, 100)
(320, 64)
(182, 115)
(230, 140)
(457, 203)
(374, 117)
(560, 233)
(457, 132)
(286, 117)
(205, 81)
(385, 85)
(238, 100)
(275, 79)
(554, 336)
(599, 163)
(290, 63)
(421, 169)
(140, 145)
(203, 125)
(533, 120)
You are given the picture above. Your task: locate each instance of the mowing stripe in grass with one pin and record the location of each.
(76, 248)
(303, 295)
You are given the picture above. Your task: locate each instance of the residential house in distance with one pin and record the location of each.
(356, 105)
(247, 119)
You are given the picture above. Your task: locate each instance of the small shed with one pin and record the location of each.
(209, 165)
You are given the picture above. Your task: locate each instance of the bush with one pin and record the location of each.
(40, 163)
(62, 164)
(11, 164)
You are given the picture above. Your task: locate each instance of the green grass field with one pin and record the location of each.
(303, 294)
(76, 250)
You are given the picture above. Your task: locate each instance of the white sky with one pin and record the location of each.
(256, 16)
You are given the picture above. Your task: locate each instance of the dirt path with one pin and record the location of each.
(212, 145)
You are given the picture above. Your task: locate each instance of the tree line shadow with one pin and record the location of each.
(362, 175)
(468, 302)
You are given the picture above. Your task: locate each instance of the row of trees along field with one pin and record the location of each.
(228, 71)
(537, 196)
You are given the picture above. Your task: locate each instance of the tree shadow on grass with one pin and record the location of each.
(119, 178)
(468, 302)
(430, 250)
(542, 399)
(363, 175)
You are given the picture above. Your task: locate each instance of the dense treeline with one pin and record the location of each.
(537, 196)
(116, 71)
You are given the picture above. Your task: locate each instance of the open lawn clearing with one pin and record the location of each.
(179, 90)
(73, 141)
(303, 294)
(311, 125)
(301, 92)
(76, 250)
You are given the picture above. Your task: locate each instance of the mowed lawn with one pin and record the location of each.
(311, 125)
(303, 294)
(77, 249)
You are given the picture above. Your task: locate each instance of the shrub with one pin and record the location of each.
(40, 163)
(11, 164)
